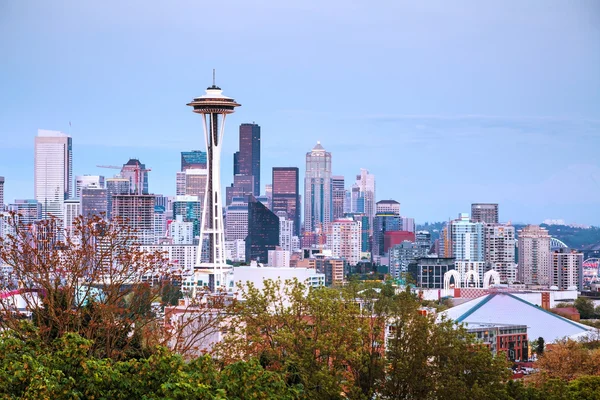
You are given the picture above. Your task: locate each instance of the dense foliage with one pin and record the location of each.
(93, 334)
(65, 370)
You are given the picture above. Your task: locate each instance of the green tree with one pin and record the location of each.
(65, 370)
(310, 335)
(428, 358)
(585, 307)
(539, 347)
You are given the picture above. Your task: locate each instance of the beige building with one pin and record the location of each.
(534, 256)
(344, 240)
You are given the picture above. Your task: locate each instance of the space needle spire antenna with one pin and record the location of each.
(210, 266)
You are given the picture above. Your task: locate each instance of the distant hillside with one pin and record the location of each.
(575, 238)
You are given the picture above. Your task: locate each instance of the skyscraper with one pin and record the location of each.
(84, 181)
(29, 210)
(263, 232)
(249, 155)
(567, 269)
(500, 251)
(236, 163)
(236, 221)
(1, 193)
(286, 232)
(53, 171)
(286, 195)
(137, 211)
(467, 242)
(195, 183)
(115, 186)
(137, 174)
(317, 189)
(338, 194)
(366, 185)
(344, 240)
(71, 210)
(387, 206)
(484, 212)
(534, 256)
(213, 106)
(189, 208)
(467, 239)
(180, 183)
(94, 201)
(243, 185)
(194, 159)
(382, 223)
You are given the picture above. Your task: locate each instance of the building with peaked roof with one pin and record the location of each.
(508, 308)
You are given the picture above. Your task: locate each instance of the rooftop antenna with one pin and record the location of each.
(214, 79)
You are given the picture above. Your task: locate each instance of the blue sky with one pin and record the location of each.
(447, 103)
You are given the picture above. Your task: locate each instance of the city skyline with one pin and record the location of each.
(531, 96)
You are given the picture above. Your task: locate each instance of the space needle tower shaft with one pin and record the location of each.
(213, 107)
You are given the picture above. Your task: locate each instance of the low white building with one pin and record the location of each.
(258, 274)
(181, 232)
(235, 250)
(181, 255)
(509, 308)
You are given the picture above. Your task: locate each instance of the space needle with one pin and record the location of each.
(213, 107)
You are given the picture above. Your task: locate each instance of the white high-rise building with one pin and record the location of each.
(180, 255)
(534, 256)
(235, 250)
(88, 181)
(286, 232)
(365, 183)
(343, 239)
(71, 210)
(53, 171)
(317, 189)
(467, 239)
(160, 224)
(236, 219)
(181, 232)
(500, 251)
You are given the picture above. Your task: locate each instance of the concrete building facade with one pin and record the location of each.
(534, 256)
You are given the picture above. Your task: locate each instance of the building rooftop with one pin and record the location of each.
(506, 308)
(48, 133)
(387, 202)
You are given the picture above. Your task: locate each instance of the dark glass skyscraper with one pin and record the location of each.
(236, 163)
(194, 159)
(94, 201)
(338, 194)
(382, 223)
(249, 154)
(286, 195)
(263, 232)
